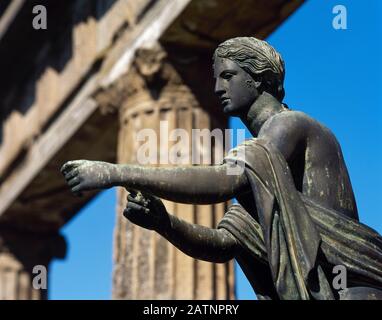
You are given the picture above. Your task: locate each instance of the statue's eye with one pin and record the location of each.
(227, 75)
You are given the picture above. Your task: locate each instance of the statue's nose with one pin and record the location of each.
(219, 90)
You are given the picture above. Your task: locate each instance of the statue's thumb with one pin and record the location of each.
(133, 193)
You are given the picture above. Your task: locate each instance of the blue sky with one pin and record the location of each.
(332, 75)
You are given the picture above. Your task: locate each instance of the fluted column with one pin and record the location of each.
(146, 266)
(24, 258)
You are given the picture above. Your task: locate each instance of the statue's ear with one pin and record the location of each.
(258, 84)
(265, 83)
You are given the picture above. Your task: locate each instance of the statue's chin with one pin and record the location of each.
(229, 111)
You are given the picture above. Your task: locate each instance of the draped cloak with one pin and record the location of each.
(289, 243)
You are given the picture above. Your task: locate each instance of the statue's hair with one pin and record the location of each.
(257, 58)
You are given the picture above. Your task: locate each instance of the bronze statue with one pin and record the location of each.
(297, 216)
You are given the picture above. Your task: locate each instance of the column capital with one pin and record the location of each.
(31, 248)
(20, 251)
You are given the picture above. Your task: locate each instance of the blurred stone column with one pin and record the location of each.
(146, 266)
(20, 253)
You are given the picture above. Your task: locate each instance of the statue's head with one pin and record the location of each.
(244, 68)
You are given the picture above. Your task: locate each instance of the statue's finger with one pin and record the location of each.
(71, 174)
(63, 169)
(70, 165)
(135, 216)
(139, 196)
(127, 213)
(139, 200)
(77, 188)
(145, 195)
(150, 197)
(130, 198)
(134, 199)
(136, 207)
(133, 193)
(73, 182)
(66, 167)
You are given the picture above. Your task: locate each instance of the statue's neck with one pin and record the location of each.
(260, 111)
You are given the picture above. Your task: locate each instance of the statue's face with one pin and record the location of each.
(234, 86)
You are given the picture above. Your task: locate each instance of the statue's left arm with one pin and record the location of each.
(200, 242)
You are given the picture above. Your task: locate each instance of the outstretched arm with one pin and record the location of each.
(214, 245)
(193, 184)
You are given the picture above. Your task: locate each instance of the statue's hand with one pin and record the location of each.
(82, 175)
(147, 211)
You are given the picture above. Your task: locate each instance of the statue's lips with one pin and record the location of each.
(224, 101)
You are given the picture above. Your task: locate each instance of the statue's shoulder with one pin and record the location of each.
(294, 116)
(286, 123)
(288, 128)
(298, 123)
(294, 119)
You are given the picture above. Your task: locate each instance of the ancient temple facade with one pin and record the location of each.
(82, 88)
